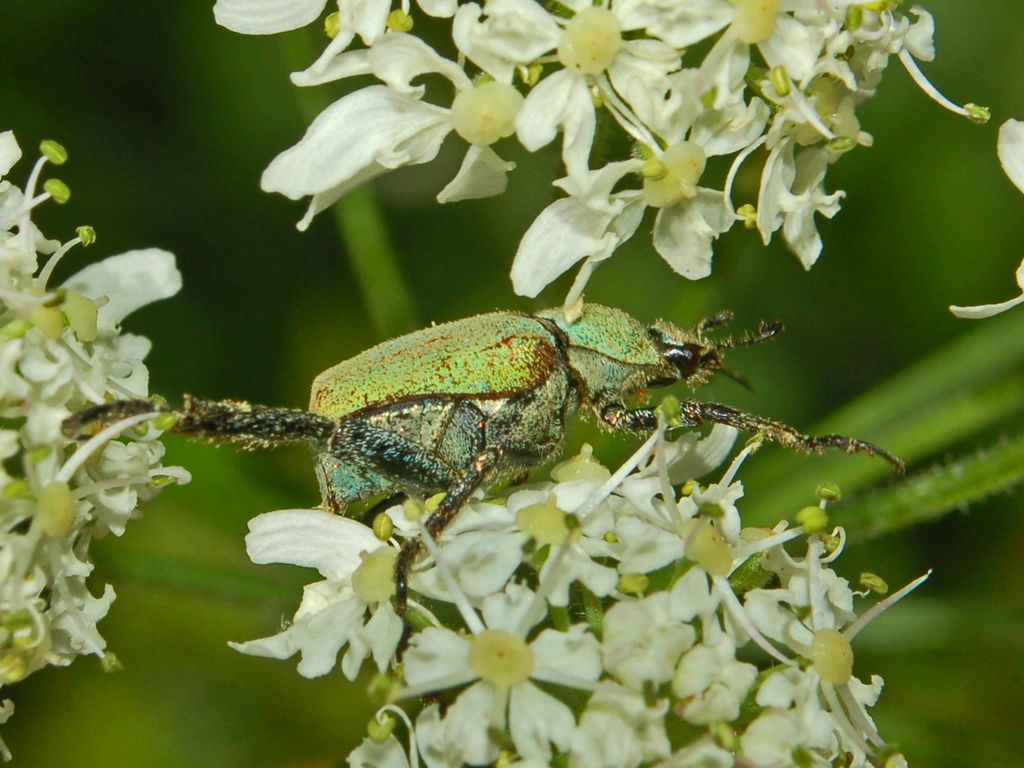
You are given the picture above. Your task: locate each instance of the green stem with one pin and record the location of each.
(360, 221)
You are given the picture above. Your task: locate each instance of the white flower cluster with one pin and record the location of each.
(61, 350)
(683, 82)
(597, 620)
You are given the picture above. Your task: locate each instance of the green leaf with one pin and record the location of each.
(968, 391)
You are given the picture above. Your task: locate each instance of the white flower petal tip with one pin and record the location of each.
(310, 538)
(129, 280)
(10, 152)
(266, 17)
(1010, 148)
(988, 310)
(483, 174)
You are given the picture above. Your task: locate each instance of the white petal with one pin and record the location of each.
(515, 610)
(483, 174)
(513, 32)
(987, 310)
(709, 452)
(398, 58)
(130, 280)
(310, 538)
(537, 719)
(348, 64)
(795, 45)
(559, 100)
(1010, 148)
(735, 127)
(476, 714)
(371, 126)
(919, 38)
(677, 23)
(683, 233)
(373, 754)
(10, 152)
(482, 562)
(439, 9)
(319, 637)
(570, 658)
(437, 657)
(564, 232)
(265, 17)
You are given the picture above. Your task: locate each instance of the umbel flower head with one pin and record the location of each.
(599, 619)
(681, 82)
(62, 349)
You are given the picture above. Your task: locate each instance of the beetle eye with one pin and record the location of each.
(685, 357)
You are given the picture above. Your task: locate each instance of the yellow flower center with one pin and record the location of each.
(682, 166)
(832, 655)
(544, 522)
(486, 113)
(706, 547)
(590, 41)
(374, 580)
(754, 20)
(55, 511)
(500, 658)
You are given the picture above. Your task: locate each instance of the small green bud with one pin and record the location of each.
(14, 329)
(332, 25)
(162, 481)
(435, 501)
(533, 73)
(874, 582)
(829, 492)
(813, 519)
(110, 663)
(977, 113)
(53, 151)
(399, 21)
(780, 80)
(164, 421)
(379, 730)
(39, 454)
(86, 234)
(687, 488)
(382, 688)
(669, 408)
(842, 144)
(610, 538)
(383, 527)
(17, 489)
(854, 17)
(748, 215)
(58, 190)
(140, 430)
(633, 583)
(159, 401)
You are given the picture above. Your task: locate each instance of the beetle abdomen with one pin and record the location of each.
(491, 356)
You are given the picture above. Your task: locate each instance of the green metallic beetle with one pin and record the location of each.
(462, 405)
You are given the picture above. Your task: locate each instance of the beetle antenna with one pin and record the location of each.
(739, 378)
(715, 321)
(764, 332)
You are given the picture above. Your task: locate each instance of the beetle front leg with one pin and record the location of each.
(697, 413)
(621, 418)
(442, 517)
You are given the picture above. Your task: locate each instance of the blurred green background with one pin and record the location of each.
(170, 120)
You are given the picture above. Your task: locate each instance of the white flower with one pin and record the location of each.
(359, 577)
(60, 351)
(619, 729)
(1011, 155)
(498, 664)
(380, 128)
(642, 641)
(712, 681)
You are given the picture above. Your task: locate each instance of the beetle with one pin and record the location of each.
(463, 405)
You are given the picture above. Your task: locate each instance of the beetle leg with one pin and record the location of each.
(696, 413)
(233, 421)
(624, 419)
(458, 495)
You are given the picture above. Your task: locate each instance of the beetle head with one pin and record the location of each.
(690, 356)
